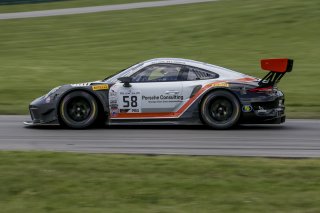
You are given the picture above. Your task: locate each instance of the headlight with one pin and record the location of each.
(52, 91)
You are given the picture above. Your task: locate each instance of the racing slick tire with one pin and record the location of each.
(220, 110)
(78, 110)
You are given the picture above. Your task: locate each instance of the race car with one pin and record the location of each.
(168, 91)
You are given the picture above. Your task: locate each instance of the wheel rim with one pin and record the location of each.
(78, 109)
(221, 109)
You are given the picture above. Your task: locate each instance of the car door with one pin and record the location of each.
(154, 90)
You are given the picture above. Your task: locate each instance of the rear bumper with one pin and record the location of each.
(265, 112)
(264, 120)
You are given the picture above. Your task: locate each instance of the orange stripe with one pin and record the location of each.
(246, 79)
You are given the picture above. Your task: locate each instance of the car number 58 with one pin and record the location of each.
(130, 101)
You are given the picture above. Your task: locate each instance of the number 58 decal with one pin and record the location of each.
(130, 101)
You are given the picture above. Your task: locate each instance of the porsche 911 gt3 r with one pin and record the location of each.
(168, 91)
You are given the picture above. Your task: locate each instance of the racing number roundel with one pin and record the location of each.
(129, 101)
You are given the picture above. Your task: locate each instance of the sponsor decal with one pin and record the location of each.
(113, 94)
(162, 97)
(220, 84)
(129, 101)
(100, 87)
(81, 84)
(113, 101)
(137, 66)
(114, 106)
(114, 109)
(124, 110)
(168, 61)
(247, 108)
(261, 110)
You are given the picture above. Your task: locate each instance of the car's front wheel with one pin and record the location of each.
(220, 110)
(78, 110)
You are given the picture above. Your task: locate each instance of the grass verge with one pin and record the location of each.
(38, 54)
(64, 182)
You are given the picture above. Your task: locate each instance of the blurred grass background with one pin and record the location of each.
(40, 182)
(40, 53)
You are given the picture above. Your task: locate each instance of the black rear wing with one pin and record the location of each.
(278, 68)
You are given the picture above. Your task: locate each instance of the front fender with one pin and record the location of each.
(101, 95)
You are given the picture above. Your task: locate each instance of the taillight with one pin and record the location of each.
(262, 89)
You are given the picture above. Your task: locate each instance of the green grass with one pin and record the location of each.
(60, 4)
(38, 54)
(56, 182)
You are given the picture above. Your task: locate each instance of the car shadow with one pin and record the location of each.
(170, 127)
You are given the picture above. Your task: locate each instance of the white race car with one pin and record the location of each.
(167, 91)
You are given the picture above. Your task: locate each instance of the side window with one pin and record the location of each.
(200, 74)
(157, 73)
(192, 76)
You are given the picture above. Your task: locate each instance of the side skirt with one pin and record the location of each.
(155, 122)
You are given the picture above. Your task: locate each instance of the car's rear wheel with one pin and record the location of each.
(78, 110)
(220, 110)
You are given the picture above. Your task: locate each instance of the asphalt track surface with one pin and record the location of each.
(95, 9)
(295, 138)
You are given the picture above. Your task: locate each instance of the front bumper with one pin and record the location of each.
(43, 112)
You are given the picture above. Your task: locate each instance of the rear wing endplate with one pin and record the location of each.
(278, 67)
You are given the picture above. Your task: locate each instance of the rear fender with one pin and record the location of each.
(232, 89)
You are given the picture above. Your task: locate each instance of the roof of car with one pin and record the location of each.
(214, 68)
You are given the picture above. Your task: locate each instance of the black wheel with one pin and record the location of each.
(78, 110)
(220, 110)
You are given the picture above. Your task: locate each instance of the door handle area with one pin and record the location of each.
(172, 92)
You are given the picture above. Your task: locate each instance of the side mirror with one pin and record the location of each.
(126, 81)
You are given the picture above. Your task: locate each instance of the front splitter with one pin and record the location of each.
(31, 123)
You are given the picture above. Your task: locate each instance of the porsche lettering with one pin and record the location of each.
(162, 97)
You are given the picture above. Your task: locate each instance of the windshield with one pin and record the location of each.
(113, 78)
